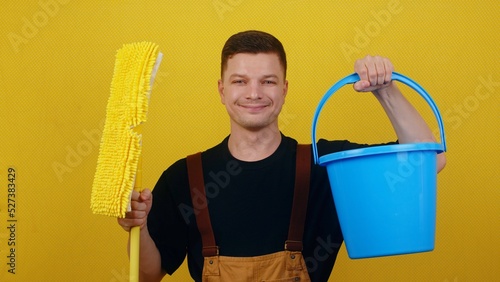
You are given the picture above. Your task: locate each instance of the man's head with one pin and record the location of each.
(253, 42)
(253, 85)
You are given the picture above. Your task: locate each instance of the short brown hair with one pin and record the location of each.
(254, 42)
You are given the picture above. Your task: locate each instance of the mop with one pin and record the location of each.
(119, 162)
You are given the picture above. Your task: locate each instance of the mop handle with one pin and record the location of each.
(135, 232)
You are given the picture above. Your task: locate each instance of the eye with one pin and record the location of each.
(269, 82)
(238, 81)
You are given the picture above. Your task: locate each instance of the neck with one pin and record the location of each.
(251, 146)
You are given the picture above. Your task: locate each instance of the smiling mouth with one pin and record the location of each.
(253, 107)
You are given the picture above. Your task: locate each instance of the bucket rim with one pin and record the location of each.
(381, 149)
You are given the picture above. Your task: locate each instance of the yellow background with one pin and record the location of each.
(56, 67)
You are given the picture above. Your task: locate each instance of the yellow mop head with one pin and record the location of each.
(120, 147)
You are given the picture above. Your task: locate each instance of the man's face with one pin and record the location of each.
(253, 89)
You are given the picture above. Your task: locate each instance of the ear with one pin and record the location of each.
(285, 89)
(220, 87)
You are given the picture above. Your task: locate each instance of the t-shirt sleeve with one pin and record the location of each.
(166, 225)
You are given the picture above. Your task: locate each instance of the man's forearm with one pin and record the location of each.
(408, 124)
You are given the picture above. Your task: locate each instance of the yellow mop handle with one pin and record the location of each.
(135, 232)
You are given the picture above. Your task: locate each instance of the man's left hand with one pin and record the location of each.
(375, 73)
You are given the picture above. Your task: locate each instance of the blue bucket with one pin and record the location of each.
(385, 195)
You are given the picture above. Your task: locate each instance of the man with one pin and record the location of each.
(249, 180)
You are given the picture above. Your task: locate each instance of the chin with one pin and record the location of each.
(256, 125)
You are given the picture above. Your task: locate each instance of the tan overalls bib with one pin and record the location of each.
(287, 265)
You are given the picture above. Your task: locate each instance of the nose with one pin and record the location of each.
(254, 91)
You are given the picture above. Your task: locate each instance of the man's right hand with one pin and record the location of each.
(141, 205)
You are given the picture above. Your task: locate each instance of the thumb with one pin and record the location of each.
(361, 85)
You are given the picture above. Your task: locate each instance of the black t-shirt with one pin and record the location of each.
(249, 205)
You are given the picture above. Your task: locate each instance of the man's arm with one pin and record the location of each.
(150, 259)
(375, 76)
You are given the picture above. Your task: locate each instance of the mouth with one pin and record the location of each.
(253, 107)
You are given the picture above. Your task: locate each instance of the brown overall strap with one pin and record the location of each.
(197, 187)
(299, 205)
(300, 198)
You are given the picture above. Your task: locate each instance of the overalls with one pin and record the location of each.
(286, 265)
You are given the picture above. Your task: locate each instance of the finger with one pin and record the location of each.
(360, 69)
(135, 215)
(135, 195)
(138, 206)
(380, 70)
(125, 224)
(126, 228)
(389, 68)
(371, 72)
(146, 195)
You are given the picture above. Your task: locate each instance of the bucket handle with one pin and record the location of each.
(352, 78)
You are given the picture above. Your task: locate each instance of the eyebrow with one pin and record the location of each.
(271, 76)
(243, 75)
